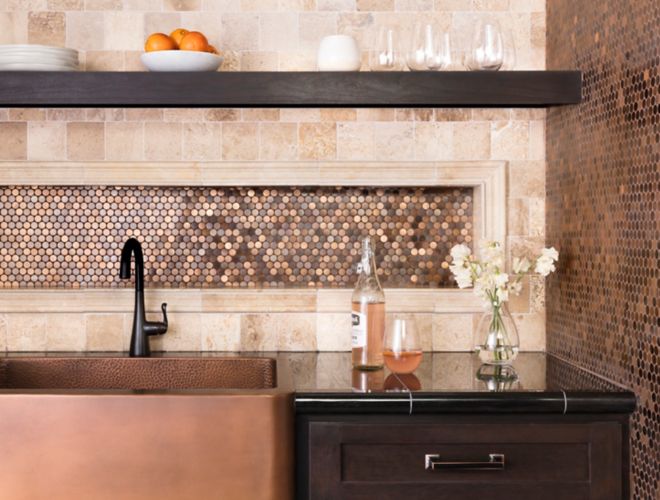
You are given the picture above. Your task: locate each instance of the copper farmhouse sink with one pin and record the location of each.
(145, 428)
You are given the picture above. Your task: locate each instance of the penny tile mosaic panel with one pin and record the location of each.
(230, 237)
(603, 181)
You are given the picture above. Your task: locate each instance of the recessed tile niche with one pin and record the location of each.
(235, 237)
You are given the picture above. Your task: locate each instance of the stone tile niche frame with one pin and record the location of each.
(487, 178)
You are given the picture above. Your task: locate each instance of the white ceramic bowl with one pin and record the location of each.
(39, 48)
(180, 60)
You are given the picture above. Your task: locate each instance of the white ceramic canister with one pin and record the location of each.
(338, 53)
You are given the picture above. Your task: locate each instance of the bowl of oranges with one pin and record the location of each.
(181, 50)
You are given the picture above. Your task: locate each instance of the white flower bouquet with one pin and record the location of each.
(488, 276)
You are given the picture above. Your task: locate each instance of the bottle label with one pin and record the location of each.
(359, 329)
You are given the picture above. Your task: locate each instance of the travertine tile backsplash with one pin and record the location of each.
(269, 35)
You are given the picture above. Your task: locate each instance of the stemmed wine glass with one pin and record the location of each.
(403, 352)
(487, 49)
(386, 54)
(429, 49)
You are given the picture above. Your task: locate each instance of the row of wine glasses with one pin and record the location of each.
(430, 49)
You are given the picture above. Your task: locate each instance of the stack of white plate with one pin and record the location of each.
(37, 58)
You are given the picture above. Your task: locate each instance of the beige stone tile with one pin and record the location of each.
(338, 114)
(25, 5)
(452, 115)
(317, 141)
(160, 22)
(221, 5)
(528, 5)
(490, 4)
(106, 332)
(355, 141)
(509, 140)
(14, 141)
(162, 141)
(300, 60)
(259, 61)
(123, 31)
(434, 141)
(183, 334)
(528, 114)
(143, 115)
(537, 293)
(240, 31)
(518, 215)
(66, 114)
(259, 5)
(333, 331)
(374, 5)
(46, 141)
(65, 4)
(240, 141)
(26, 332)
(531, 329)
(414, 114)
(278, 31)
(209, 23)
(103, 4)
(491, 114)
(85, 141)
(260, 114)
(313, 26)
(222, 115)
(85, 30)
(278, 141)
(258, 333)
(65, 332)
(182, 4)
(104, 60)
(297, 5)
(527, 179)
(452, 332)
(375, 114)
(13, 27)
(221, 332)
(394, 141)
(296, 332)
(360, 25)
(520, 303)
(124, 141)
(26, 114)
(527, 246)
(471, 140)
(536, 140)
(335, 5)
(3, 333)
(300, 115)
(537, 217)
(413, 5)
(47, 28)
(202, 141)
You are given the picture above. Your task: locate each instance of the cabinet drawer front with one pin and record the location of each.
(351, 460)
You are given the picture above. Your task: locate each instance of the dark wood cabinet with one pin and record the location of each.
(567, 457)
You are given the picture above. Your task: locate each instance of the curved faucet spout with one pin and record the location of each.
(142, 328)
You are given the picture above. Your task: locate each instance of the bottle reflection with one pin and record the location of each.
(367, 381)
(498, 378)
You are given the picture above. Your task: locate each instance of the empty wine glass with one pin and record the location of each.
(386, 53)
(509, 62)
(487, 50)
(403, 352)
(429, 49)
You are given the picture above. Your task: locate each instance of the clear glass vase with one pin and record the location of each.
(498, 336)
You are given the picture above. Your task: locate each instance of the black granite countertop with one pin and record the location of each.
(453, 383)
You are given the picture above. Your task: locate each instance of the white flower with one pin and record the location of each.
(502, 294)
(460, 253)
(501, 279)
(515, 288)
(551, 253)
(491, 254)
(463, 277)
(521, 266)
(544, 266)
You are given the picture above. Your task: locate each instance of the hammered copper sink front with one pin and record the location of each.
(152, 428)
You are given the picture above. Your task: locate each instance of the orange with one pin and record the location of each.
(159, 41)
(194, 41)
(178, 34)
(212, 50)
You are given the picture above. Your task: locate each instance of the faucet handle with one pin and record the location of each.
(155, 327)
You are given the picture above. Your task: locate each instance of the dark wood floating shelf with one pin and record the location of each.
(290, 89)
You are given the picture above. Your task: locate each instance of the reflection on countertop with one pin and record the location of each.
(444, 372)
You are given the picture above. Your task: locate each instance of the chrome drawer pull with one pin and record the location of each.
(433, 462)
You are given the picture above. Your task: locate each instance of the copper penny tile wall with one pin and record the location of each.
(283, 237)
(603, 182)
